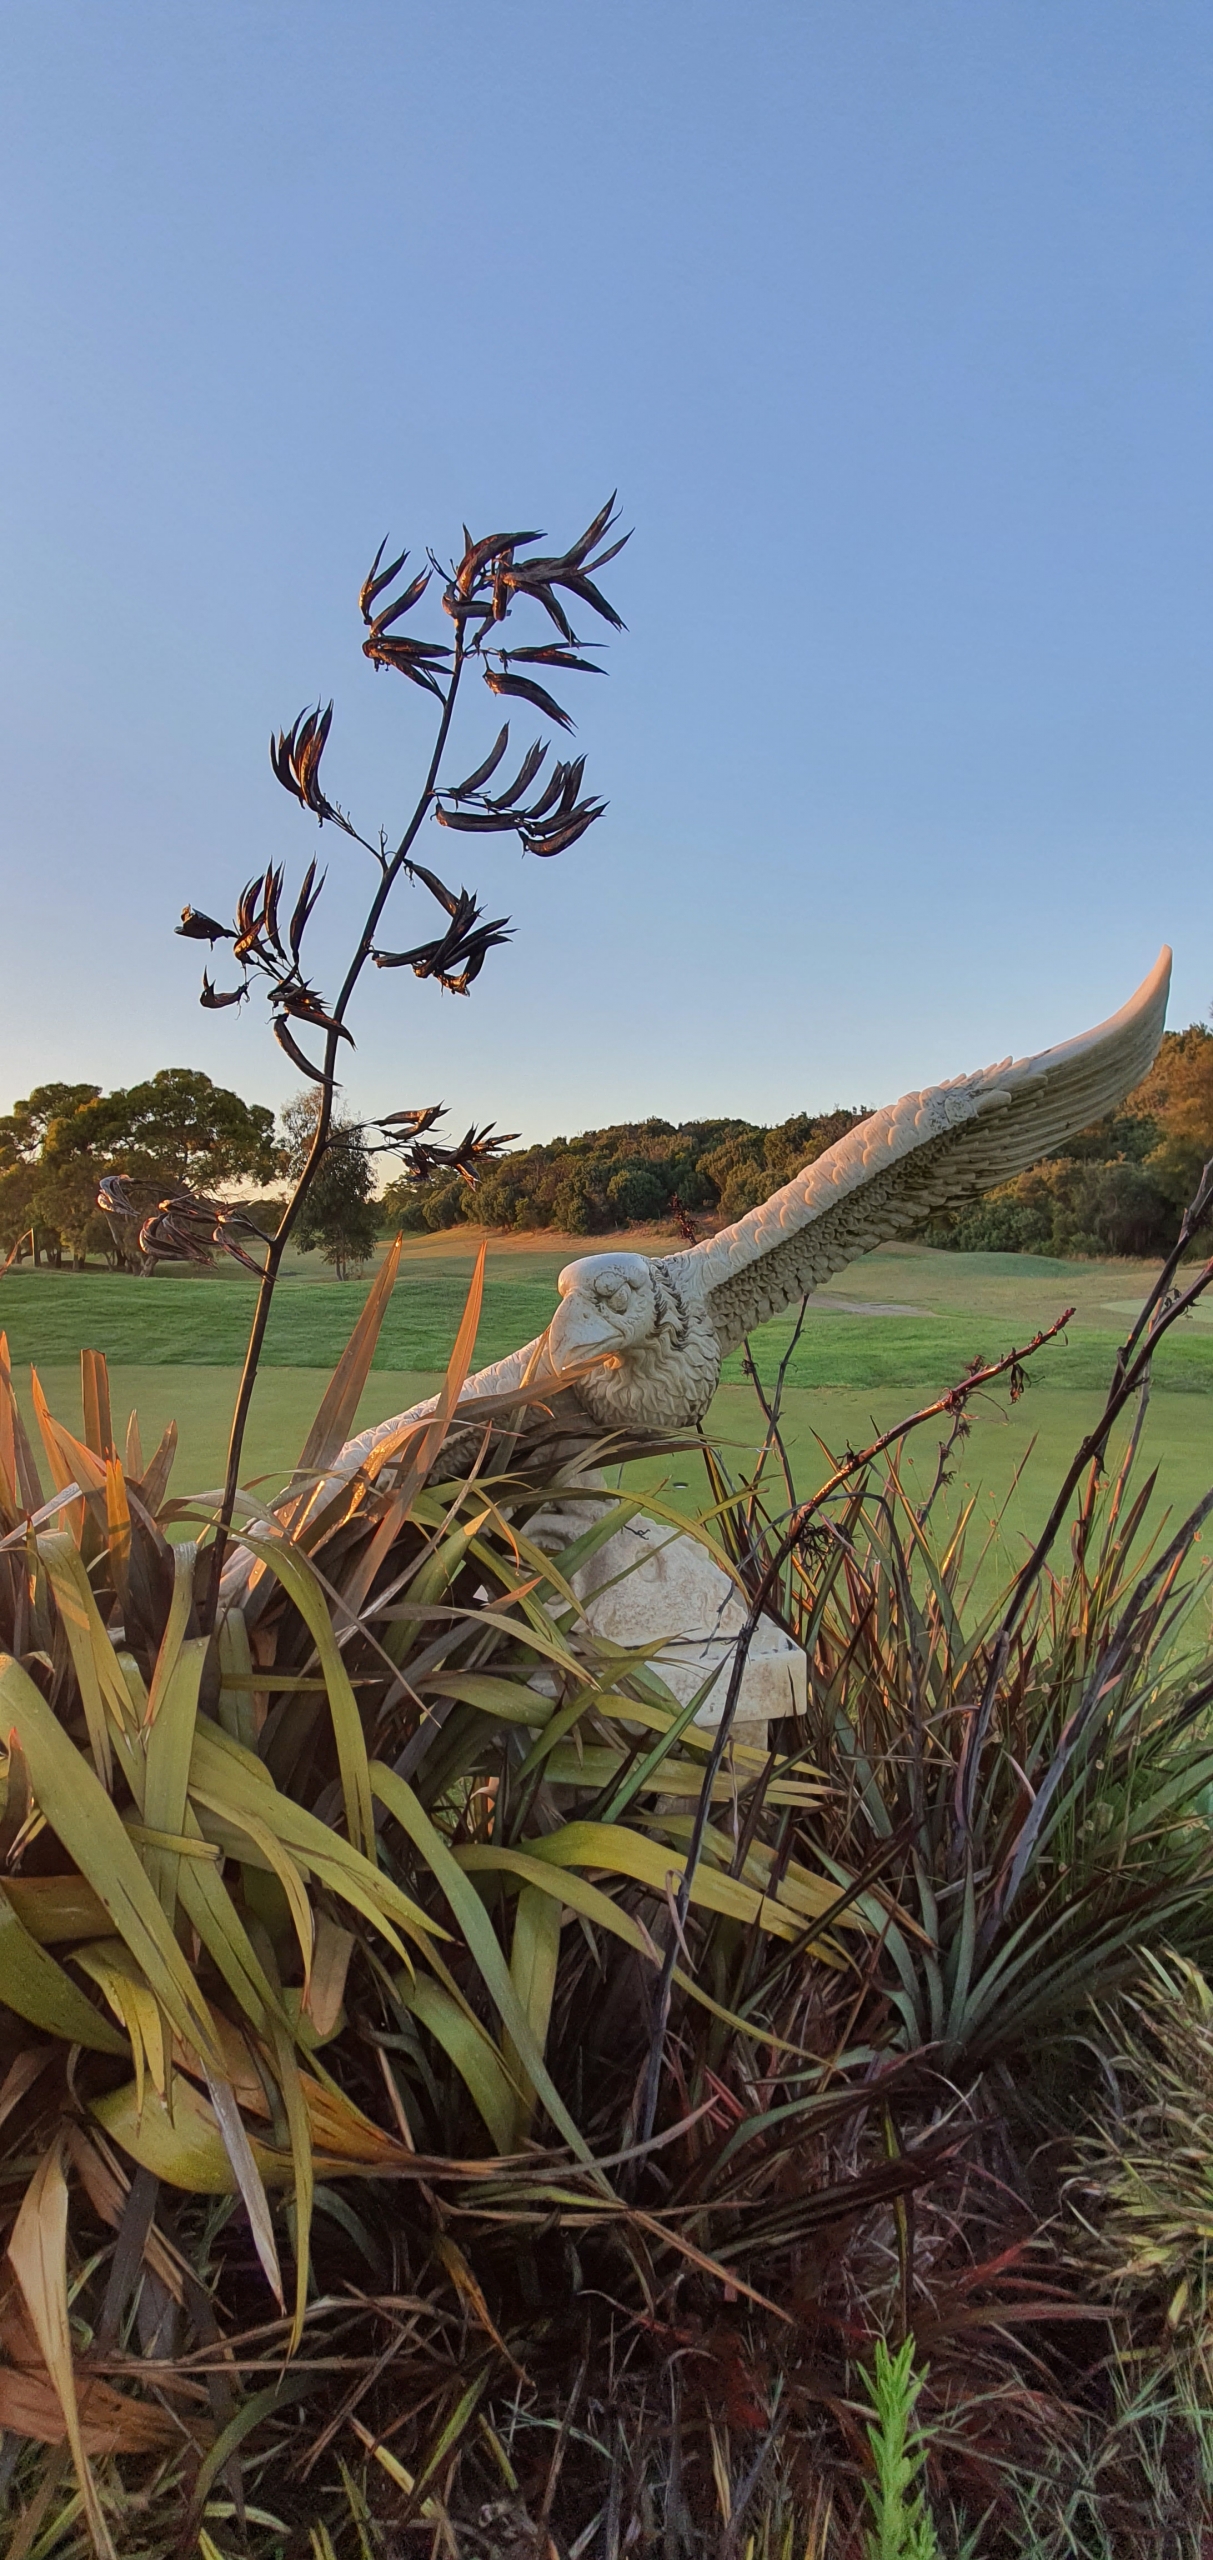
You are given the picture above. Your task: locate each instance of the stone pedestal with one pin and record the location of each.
(649, 1585)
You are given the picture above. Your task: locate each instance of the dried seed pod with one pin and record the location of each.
(403, 604)
(415, 1121)
(473, 822)
(451, 899)
(305, 1006)
(304, 905)
(295, 757)
(499, 681)
(375, 581)
(215, 998)
(197, 927)
(547, 842)
(458, 957)
(522, 780)
(550, 655)
(416, 659)
(484, 772)
(477, 555)
(287, 1042)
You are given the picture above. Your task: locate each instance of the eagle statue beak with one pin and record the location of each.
(581, 1331)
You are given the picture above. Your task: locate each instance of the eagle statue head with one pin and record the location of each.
(637, 1344)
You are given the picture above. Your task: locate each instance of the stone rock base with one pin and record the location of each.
(650, 1585)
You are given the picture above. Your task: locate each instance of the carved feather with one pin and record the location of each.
(932, 1150)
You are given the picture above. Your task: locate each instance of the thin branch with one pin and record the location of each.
(958, 1432)
(953, 1402)
(1131, 1370)
(772, 1410)
(324, 1115)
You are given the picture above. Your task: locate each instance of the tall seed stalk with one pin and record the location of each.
(479, 592)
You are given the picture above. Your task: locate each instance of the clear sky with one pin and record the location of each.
(890, 318)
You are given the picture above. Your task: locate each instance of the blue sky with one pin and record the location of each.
(889, 318)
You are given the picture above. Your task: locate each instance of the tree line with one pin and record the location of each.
(637, 1173)
(1117, 1188)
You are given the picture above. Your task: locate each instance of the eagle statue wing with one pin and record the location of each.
(930, 1151)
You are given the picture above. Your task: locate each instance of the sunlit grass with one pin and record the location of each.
(959, 1308)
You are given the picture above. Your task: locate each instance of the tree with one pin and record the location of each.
(443, 1204)
(401, 1206)
(18, 1217)
(1178, 1091)
(638, 1191)
(65, 1189)
(25, 1134)
(177, 1128)
(338, 1214)
(26, 1130)
(579, 1208)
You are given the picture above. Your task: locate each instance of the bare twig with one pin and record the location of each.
(953, 1402)
(1132, 1368)
(772, 1410)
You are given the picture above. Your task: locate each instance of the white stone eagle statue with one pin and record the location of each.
(638, 1340)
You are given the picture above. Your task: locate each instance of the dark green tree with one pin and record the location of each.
(638, 1191)
(175, 1128)
(18, 1218)
(402, 1208)
(26, 1133)
(339, 1217)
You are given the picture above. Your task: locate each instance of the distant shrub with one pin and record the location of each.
(401, 1209)
(580, 1204)
(442, 1204)
(638, 1191)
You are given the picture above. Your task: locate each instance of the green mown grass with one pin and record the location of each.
(918, 1356)
(175, 1343)
(153, 1323)
(962, 1307)
(200, 1400)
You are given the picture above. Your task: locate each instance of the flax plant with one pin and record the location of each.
(445, 2091)
(367, 1897)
